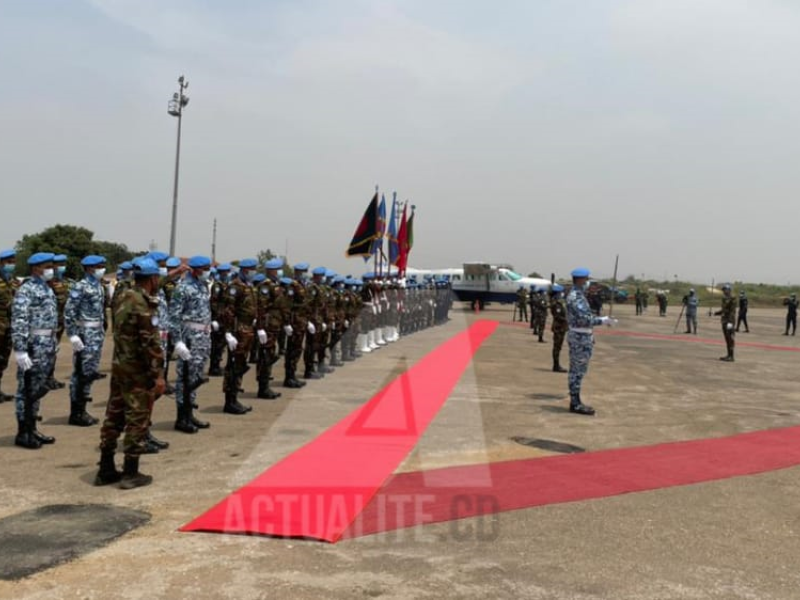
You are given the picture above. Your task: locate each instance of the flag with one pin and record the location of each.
(410, 231)
(402, 243)
(394, 247)
(366, 232)
(377, 245)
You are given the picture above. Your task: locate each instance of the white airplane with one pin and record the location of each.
(481, 283)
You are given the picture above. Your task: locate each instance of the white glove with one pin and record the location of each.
(324, 327)
(311, 329)
(262, 336)
(77, 343)
(728, 326)
(24, 361)
(374, 310)
(346, 323)
(183, 351)
(333, 326)
(288, 329)
(214, 325)
(232, 341)
(379, 309)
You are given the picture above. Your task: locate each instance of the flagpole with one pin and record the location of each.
(375, 258)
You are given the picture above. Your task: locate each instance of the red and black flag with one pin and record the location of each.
(366, 232)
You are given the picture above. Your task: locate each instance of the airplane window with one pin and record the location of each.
(513, 276)
(493, 277)
(502, 277)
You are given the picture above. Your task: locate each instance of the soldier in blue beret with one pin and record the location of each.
(60, 286)
(580, 338)
(217, 301)
(190, 329)
(8, 287)
(34, 320)
(84, 317)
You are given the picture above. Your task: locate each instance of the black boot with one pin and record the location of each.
(78, 415)
(183, 422)
(557, 368)
(40, 437)
(309, 374)
(131, 477)
(25, 437)
(264, 391)
(108, 471)
(160, 444)
(578, 407)
(233, 406)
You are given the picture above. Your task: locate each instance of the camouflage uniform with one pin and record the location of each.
(791, 314)
(522, 304)
(8, 286)
(238, 316)
(269, 317)
(727, 314)
(190, 323)
(84, 316)
(138, 362)
(216, 300)
(559, 328)
(580, 340)
(317, 307)
(541, 313)
(34, 321)
(299, 323)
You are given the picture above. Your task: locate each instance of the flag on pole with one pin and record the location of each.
(402, 243)
(366, 232)
(410, 231)
(394, 247)
(377, 245)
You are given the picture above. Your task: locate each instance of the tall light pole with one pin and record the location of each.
(175, 108)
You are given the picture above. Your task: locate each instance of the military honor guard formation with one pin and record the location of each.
(162, 307)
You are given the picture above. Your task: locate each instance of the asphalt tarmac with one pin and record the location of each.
(728, 539)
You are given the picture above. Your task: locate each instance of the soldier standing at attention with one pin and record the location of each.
(791, 313)
(522, 303)
(742, 320)
(239, 315)
(8, 286)
(34, 320)
(269, 322)
(137, 378)
(217, 301)
(541, 313)
(60, 287)
(84, 316)
(303, 327)
(580, 338)
(190, 328)
(559, 327)
(124, 282)
(728, 317)
(639, 301)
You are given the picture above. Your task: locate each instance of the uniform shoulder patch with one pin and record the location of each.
(265, 290)
(232, 291)
(154, 320)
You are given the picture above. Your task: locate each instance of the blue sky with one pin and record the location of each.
(547, 134)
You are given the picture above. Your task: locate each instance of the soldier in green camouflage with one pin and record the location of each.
(727, 314)
(137, 378)
(60, 286)
(522, 303)
(8, 286)
(558, 309)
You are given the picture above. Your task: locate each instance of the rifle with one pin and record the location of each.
(83, 379)
(675, 330)
(189, 386)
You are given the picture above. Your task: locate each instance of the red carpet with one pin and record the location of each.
(410, 499)
(317, 491)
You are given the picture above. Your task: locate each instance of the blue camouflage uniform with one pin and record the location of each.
(83, 316)
(34, 323)
(190, 323)
(580, 340)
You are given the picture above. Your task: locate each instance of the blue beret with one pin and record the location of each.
(60, 258)
(248, 263)
(301, 266)
(7, 254)
(259, 277)
(173, 261)
(318, 270)
(126, 266)
(368, 276)
(198, 262)
(273, 263)
(286, 281)
(92, 260)
(349, 281)
(224, 267)
(157, 255)
(145, 266)
(558, 287)
(330, 273)
(338, 279)
(40, 257)
(580, 272)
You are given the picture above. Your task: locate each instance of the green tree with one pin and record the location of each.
(535, 275)
(74, 241)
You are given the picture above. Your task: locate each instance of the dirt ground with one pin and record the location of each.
(735, 538)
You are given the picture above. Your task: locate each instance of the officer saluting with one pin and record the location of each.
(580, 339)
(34, 319)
